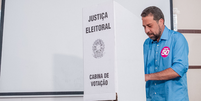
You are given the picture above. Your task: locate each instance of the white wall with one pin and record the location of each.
(189, 18)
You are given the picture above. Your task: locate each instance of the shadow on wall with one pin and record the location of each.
(68, 73)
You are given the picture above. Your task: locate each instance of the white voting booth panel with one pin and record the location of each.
(113, 58)
(42, 48)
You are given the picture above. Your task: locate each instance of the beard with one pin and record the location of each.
(156, 36)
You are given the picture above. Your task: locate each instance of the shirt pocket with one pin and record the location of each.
(166, 62)
(166, 56)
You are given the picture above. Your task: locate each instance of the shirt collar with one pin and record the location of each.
(164, 35)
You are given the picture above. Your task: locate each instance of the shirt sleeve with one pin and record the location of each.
(180, 55)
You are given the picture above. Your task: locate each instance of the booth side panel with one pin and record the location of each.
(129, 55)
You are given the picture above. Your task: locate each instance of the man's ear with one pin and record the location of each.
(161, 21)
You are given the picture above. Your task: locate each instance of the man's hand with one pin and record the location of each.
(146, 77)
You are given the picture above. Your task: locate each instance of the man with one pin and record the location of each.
(165, 59)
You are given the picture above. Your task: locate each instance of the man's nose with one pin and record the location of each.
(147, 30)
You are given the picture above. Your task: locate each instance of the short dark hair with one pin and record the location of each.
(155, 11)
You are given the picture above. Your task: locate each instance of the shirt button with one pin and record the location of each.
(156, 52)
(155, 67)
(157, 45)
(156, 60)
(155, 83)
(155, 92)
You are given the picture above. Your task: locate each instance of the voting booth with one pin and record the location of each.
(42, 49)
(113, 53)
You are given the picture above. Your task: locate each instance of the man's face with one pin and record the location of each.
(152, 28)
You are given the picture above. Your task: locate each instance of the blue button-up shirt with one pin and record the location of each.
(170, 52)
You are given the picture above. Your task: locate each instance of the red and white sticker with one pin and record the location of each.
(165, 51)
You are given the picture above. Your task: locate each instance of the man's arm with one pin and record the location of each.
(163, 75)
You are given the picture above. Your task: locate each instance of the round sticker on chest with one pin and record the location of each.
(165, 51)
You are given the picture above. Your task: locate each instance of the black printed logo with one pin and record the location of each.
(98, 48)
